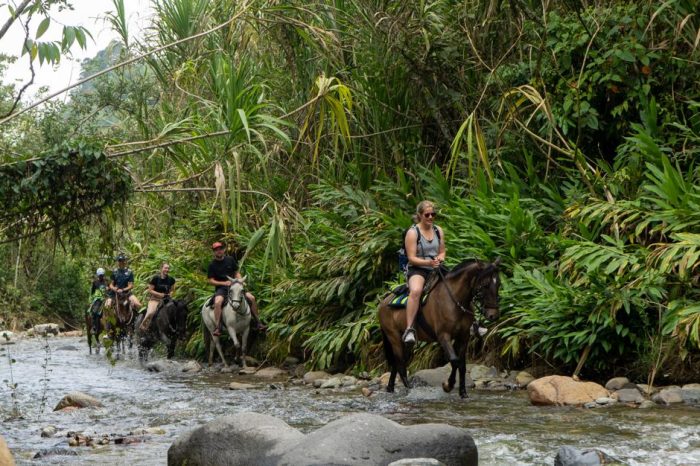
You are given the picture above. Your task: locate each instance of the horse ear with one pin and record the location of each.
(497, 262)
(245, 277)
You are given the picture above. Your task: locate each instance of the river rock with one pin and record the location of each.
(356, 439)
(570, 456)
(45, 329)
(311, 377)
(523, 379)
(68, 348)
(417, 462)
(482, 372)
(333, 382)
(348, 381)
(616, 383)
(629, 395)
(72, 333)
(384, 379)
(668, 395)
(605, 401)
(164, 365)
(646, 404)
(49, 431)
(367, 392)
(6, 458)
(318, 383)
(53, 452)
(251, 361)
(271, 373)
(432, 377)
(645, 389)
(290, 361)
(691, 393)
(7, 337)
(191, 366)
(78, 400)
(560, 390)
(241, 386)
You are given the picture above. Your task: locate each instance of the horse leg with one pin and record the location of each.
(244, 345)
(88, 324)
(403, 374)
(462, 365)
(219, 350)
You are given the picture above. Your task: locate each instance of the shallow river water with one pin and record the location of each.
(505, 427)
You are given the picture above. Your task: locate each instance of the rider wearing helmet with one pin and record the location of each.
(99, 283)
(122, 283)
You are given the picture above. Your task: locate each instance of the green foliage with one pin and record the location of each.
(59, 190)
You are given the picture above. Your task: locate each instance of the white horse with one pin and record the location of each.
(236, 319)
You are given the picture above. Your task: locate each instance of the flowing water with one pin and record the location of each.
(506, 428)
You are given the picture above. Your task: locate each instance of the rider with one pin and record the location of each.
(425, 252)
(122, 283)
(221, 267)
(159, 287)
(98, 290)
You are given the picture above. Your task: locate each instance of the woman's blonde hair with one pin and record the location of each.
(420, 208)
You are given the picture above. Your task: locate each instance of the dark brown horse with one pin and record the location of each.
(445, 317)
(119, 322)
(168, 325)
(94, 324)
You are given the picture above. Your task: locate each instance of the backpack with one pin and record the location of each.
(403, 258)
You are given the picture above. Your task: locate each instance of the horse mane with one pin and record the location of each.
(459, 268)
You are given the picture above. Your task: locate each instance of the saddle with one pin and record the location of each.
(401, 292)
(210, 301)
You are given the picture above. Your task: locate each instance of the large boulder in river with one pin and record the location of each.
(434, 377)
(6, 458)
(78, 400)
(311, 377)
(45, 329)
(560, 390)
(357, 439)
(7, 338)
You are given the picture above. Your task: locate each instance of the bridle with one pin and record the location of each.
(478, 294)
(242, 309)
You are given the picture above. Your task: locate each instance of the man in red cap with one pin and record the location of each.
(220, 269)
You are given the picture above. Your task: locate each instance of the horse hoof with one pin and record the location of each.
(463, 395)
(447, 387)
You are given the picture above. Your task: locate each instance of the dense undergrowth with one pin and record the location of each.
(560, 137)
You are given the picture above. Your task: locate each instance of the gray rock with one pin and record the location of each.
(691, 393)
(45, 329)
(68, 348)
(191, 366)
(241, 386)
(646, 404)
(49, 431)
(483, 372)
(333, 382)
(54, 452)
(431, 377)
(319, 382)
(78, 400)
(290, 361)
(164, 365)
(605, 401)
(357, 439)
(570, 456)
(646, 389)
(629, 395)
(311, 377)
(7, 337)
(271, 373)
(348, 381)
(616, 383)
(668, 395)
(417, 462)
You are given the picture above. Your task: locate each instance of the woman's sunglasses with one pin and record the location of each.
(430, 214)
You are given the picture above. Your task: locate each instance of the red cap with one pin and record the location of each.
(217, 245)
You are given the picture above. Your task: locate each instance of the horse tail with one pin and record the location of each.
(388, 351)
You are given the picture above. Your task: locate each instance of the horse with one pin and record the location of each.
(94, 324)
(235, 316)
(120, 326)
(447, 315)
(168, 326)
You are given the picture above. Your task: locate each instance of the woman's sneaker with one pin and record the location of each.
(409, 336)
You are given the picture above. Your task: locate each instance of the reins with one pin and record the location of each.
(449, 292)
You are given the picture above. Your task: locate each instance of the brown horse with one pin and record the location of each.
(446, 316)
(119, 324)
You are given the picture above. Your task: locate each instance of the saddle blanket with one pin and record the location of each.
(401, 297)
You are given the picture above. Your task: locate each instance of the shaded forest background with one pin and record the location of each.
(561, 137)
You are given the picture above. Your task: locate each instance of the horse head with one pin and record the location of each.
(236, 292)
(181, 318)
(488, 284)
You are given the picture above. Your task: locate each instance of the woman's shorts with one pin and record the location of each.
(425, 273)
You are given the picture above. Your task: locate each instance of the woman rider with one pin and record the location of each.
(425, 251)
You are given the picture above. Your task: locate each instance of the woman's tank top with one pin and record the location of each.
(427, 249)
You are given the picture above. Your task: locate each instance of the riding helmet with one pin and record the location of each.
(100, 272)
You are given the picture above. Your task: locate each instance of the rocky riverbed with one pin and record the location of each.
(139, 412)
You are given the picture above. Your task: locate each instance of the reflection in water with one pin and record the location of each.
(506, 428)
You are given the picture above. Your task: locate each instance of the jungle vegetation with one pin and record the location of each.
(559, 136)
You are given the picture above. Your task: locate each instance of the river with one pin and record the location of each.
(506, 428)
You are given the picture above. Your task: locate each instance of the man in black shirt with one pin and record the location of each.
(160, 287)
(220, 269)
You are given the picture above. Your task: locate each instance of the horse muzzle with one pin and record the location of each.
(492, 313)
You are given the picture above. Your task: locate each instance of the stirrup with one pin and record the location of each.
(409, 336)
